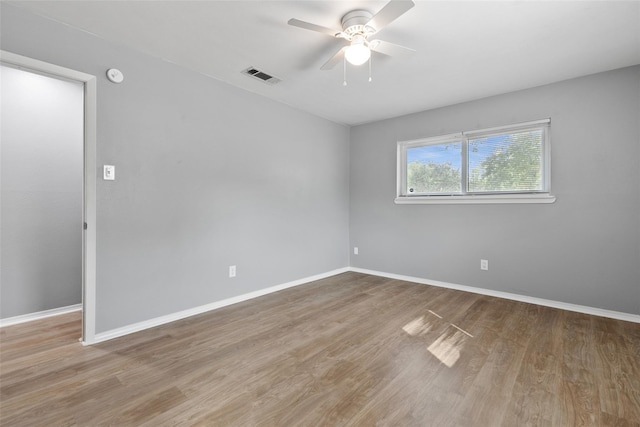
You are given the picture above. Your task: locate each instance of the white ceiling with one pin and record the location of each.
(464, 49)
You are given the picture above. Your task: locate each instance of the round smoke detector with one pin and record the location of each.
(114, 75)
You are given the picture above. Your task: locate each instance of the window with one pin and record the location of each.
(509, 164)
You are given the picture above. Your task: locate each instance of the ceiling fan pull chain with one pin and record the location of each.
(370, 69)
(344, 81)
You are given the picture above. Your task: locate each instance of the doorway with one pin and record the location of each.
(48, 206)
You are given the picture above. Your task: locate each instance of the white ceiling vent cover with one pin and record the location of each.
(261, 75)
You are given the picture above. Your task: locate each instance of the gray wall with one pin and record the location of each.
(207, 176)
(41, 182)
(583, 249)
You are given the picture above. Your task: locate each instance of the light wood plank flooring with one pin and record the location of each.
(352, 349)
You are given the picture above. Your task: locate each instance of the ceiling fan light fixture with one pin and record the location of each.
(357, 26)
(357, 53)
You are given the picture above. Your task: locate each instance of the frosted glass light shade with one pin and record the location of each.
(357, 54)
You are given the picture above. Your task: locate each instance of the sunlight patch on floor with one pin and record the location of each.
(446, 347)
(416, 327)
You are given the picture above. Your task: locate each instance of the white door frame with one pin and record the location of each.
(89, 185)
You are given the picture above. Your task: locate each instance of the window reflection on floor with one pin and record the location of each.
(448, 345)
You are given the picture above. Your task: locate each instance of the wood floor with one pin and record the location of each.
(352, 349)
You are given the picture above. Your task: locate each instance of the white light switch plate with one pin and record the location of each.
(109, 173)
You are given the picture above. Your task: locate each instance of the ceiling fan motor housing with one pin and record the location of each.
(355, 22)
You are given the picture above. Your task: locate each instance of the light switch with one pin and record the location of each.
(109, 172)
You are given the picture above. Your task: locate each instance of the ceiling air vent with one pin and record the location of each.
(261, 75)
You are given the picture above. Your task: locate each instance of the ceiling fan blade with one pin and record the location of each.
(392, 11)
(333, 61)
(390, 49)
(312, 27)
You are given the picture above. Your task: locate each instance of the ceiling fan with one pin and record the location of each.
(357, 26)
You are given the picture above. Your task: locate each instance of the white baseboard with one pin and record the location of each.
(39, 315)
(140, 326)
(506, 295)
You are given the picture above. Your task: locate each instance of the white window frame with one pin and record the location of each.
(543, 196)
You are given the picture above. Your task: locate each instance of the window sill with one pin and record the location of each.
(479, 199)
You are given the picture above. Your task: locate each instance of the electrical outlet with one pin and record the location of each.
(484, 264)
(232, 271)
(355, 250)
